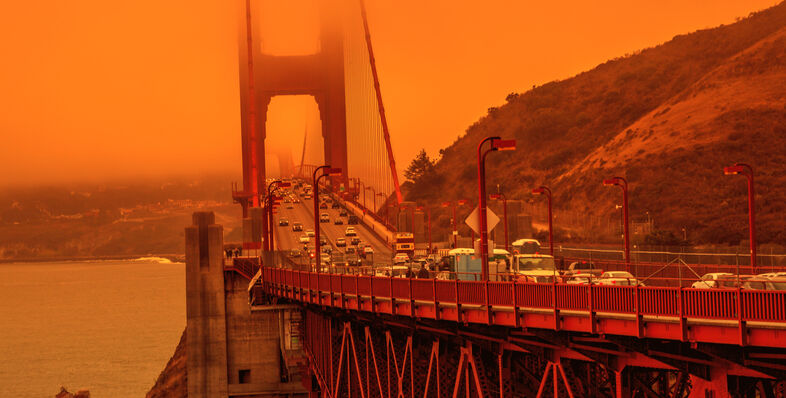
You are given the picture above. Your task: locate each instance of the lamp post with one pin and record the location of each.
(270, 201)
(374, 197)
(363, 190)
(622, 183)
(460, 202)
(501, 196)
(747, 171)
(496, 145)
(428, 216)
(413, 215)
(382, 196)
(329, 171)
(544, 190)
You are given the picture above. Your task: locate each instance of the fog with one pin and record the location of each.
(95, 90)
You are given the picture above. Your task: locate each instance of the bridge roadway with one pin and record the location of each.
(287, 239)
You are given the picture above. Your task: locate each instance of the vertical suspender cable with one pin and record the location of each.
(379, 101)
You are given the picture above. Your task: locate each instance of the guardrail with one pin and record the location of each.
(490, 301)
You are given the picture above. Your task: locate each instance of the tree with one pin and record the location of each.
(421, 168)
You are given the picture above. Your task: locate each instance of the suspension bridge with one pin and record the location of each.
(269, 323)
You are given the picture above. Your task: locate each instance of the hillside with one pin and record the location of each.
(667, 118)
(117, 220)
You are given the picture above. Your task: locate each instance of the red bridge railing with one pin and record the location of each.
(710, 312)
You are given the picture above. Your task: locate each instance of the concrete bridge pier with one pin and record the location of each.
(232, 351)
(205, 308)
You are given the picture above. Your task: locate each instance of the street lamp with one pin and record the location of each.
(329, 171)
(374, 197)
(501, 196)
(544, 190)
(747, 171)
(390, 206)
(363, 190)
(459, 202)
(270, 201)
(497, 144)
(622, 183)
(382, 195)
(428, 212)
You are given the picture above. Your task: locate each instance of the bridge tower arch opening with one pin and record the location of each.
(264, 76)
(293, 135)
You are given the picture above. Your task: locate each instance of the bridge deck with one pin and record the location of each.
(733, 316)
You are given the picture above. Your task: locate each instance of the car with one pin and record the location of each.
(323, 241)
(395, 271)
(619, 278)
(342, 213)
(283, 222)
(350, 231)
(368, 250)
(324, 217)
(761, 283)
(350, 250)
(304, 239)
(297, 227)
(354, 241)
(341, 242)
(295, 253)
(310, 233)
(400, 258)
(326, 249)
(335, 205)
(323, 205)
(338, 221)
(325, 258)
(289, 206)
(714, 280)
(580, 279)
(778, 280)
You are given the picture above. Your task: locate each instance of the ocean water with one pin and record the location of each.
(108, 326)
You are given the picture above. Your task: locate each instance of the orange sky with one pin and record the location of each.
(93, 89)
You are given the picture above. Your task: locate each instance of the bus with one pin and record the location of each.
(404, 243)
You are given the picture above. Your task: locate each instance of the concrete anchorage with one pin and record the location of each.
(231, 350)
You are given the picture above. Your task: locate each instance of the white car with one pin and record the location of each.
(618, 278)
(400, 258)
(713, 280)
(580, 279)
(368, 250)
(304, 239)
(310, 233)
(350, 232)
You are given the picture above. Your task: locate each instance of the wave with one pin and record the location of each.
(160, 260)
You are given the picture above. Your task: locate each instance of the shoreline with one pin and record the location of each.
(175, 258)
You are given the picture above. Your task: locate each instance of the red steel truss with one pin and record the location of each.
(719, 316)
(406, 338)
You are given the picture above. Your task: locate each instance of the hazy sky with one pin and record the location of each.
(96, 89)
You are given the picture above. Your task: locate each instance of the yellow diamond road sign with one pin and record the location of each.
(474, 221)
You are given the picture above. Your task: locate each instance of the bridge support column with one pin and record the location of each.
(619, 388)
(716, 386)
(205, 314)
